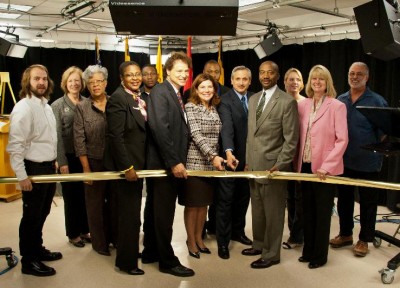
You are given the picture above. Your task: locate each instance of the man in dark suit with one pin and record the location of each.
(233, 194)
(273, 132)
(167, 149)
(126, 151)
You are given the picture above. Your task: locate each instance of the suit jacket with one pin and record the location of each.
(234, 126)
(126, 133)
(168, 144)
(329, 136)
(272, 140)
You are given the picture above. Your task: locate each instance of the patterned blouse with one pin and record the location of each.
(205, 126)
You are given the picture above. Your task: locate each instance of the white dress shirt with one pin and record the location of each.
(33, 134)
(268, 95)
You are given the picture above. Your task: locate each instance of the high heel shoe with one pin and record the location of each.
(204, 250)
(193, 254)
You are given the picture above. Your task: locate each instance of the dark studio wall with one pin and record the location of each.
(337, 56)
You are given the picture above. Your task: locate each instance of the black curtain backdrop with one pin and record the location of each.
(337, 56)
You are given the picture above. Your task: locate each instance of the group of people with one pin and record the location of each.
(155, 127)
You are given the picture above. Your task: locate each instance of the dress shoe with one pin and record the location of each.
(204, 250)
(103, 252)
(223, 252)
(341, 241)
(360, 249)
(251, 252)
(148, 260)
(303, 259)
(77, 243)
(313, 265)
(86, 238)
(193, 254)
(47, 255)
(242, 239)
(180, 271)
(261, 263)
(37, 268)
(135, 271)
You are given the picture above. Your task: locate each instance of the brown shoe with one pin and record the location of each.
(361, 248)
(341, 241)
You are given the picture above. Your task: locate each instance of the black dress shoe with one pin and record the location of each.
(37, 268)
(149, 260)
(251, 252)
(242, 239)
(204, 250)
(303, 259)
(180, 271)
(135, 271)
(103, 252)
(194, 254)
(223, 252)
(261, 263)
(313, 265)
(47, 255)
(80, 243)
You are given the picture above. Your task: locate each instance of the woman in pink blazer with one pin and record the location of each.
(323, 141)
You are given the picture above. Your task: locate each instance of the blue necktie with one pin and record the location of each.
(243, 100)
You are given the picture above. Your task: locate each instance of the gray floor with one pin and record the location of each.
(82, 267)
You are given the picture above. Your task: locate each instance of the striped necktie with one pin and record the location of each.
(180, 100)
(260, 106)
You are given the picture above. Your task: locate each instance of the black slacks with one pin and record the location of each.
(164, 192)
(317, 211)
(76, 222)
(232, 202)
(36, 207)
(129, 201)
(368, 206)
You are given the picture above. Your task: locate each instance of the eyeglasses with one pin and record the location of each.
(95, 82)
(358, 74)
(149, 74)
(137, 75)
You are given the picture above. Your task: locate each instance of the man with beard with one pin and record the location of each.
(32, 147)
(359, 163)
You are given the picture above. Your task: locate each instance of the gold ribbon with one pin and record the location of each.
(100, 176)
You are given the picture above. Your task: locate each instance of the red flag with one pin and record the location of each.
(189, 53)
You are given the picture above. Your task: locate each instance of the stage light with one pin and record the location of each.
(74, 7)
(268, 46)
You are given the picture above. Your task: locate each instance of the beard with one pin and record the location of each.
(39, 91)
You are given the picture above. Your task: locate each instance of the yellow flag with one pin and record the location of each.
(127, 56)
(159, 66)
(221, 77)
(97, 48)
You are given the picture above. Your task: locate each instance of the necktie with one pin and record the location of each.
(243, 100)
(260, 106)
(180, 100)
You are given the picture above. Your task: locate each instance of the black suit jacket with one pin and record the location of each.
(168, 144)
(126, 133)
(234, 126)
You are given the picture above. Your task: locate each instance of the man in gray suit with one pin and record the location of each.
(273, 132)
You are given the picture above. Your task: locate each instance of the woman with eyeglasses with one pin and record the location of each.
(125, 152)
(89, 138)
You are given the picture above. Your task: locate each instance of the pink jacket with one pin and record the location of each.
(329, 136)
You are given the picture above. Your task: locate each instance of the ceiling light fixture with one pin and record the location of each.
(71, 9)
(270, 44)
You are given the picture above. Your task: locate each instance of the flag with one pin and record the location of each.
(221, 77)
(97, 48)
(127, 56)
(159, 66)
(189, 54)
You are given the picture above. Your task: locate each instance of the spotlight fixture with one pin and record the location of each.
(12, 48)
(268, 46)
(74, 7)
